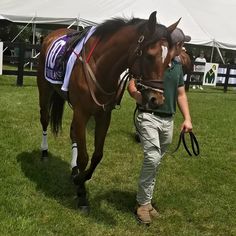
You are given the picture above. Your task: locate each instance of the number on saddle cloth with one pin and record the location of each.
(56, 60)
(59, 54)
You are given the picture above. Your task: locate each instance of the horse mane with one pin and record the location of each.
(111, 26)
(186, 62)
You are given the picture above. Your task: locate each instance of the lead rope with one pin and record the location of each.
(193, 139)
(194, 143)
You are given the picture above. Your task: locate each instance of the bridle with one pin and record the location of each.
(153, 85)
(117, 95)
(141, 82)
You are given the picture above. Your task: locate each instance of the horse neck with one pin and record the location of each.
(111, 55)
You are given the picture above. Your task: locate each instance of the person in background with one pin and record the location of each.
(155, 127)
(199, 68)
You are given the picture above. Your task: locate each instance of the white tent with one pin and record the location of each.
(209, 22)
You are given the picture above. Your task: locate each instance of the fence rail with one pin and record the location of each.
(21, 54)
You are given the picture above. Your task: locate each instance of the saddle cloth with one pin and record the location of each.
(55, 71)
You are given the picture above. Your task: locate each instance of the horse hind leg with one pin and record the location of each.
(45, 93)
(44, 119)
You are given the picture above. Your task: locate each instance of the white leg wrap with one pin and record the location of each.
(44, 144)
(74, 155)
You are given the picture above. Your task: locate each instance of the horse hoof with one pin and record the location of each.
(44, 156)
(84, 209)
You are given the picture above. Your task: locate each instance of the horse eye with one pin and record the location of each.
(150, 57)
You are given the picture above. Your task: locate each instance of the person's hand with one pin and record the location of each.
(138, 97)
(186, 126)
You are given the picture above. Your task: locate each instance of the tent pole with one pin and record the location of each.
(77, 21)
(218, 50)
(33, 50)
(71, 24)
(212, 51)
(19, 33)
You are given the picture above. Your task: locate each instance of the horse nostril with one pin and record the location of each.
(153, 103)
(153, 100)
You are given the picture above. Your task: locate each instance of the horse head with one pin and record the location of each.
(149, 60)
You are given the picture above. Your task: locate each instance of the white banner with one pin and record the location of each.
(210, 74)
(1, 56)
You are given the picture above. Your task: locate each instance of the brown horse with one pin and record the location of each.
(94, 87)
(186, 62)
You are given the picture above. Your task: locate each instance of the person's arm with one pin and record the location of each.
(184, 108)
(134, 93)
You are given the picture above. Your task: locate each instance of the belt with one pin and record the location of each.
(156, 113)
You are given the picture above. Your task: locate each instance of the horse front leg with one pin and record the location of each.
(102, 122)
(79, 156)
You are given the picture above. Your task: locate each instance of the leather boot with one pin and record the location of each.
(143, 214)
(153, 212)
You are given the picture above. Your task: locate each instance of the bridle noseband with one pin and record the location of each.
(153, 85)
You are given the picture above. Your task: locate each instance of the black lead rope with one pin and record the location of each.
(193, 139)
(194, 143)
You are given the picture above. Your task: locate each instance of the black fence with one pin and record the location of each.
(20, 54)
(222, 78)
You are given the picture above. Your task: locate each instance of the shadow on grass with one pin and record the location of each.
(121, 201)
(52, 177)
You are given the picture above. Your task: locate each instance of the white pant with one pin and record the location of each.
(155, 135)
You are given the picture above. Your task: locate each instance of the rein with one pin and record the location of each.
(116, 95)
(194, 143)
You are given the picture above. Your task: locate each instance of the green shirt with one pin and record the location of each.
(173, 78)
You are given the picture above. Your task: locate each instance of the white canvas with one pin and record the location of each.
(208, 22)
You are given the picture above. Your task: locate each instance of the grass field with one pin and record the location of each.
(195, 196)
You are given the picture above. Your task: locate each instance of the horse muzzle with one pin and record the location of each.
(153, 99)
(152, 93)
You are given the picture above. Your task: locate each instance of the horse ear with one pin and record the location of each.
(152, 22)
(173, 26)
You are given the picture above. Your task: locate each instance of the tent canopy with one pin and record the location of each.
(208, 22)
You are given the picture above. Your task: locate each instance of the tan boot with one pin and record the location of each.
(143, 214)
(153, 212)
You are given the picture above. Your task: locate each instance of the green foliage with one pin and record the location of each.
(9, 30)
(195, 195)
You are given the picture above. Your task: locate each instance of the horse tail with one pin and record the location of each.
(56, 109)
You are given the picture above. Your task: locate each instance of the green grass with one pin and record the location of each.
(195, 196)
